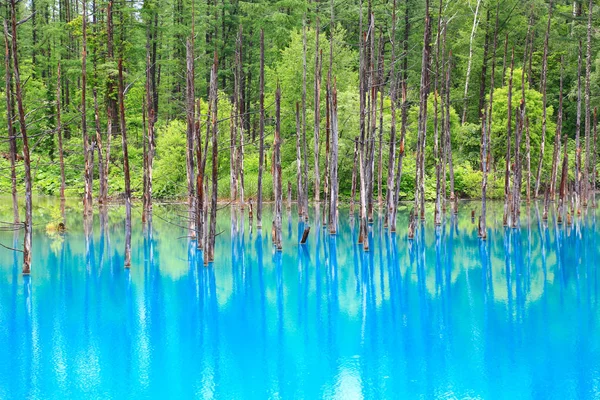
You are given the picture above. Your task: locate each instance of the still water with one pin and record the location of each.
(442, 316)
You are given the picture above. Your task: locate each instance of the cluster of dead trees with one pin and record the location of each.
(378, 79)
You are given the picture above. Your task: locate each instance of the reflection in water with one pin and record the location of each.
(442, 315)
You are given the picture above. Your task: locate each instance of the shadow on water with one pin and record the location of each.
(441, 315)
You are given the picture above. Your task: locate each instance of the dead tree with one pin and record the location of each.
(353, 189)
(390, 198)
(507, 169)
(123, 127)
(150, 109)
(299, 165)
(277, 171)
(61, 153)
(190, 111)
(87, 147)
(563, 183)
(333, 163)
(240, 119)
(261, 139)
(209, 248)
(558, 135)
(577, 135)
(422, 120)
(487, 130)
(11, 129)
(588, 121)
(595, 161)
(436, 132)
(544, 113)
(317, 105)
(23, 129)
(453, 199)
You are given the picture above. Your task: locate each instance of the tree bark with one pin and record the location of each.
(87, 147)
(26, 156)
(191, 120)
(121, 90)
(209, 252)
(577, 136)
(301, 211)
(277, 171)
(507, 169)
(333, 174)
(11, 129)
(544, 113)
(261, 139)
(390, 198)
(588, 121)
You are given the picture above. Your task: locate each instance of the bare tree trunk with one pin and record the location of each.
(191, 120)
(504, 59)
(363, 237)
(588, 121)
(577, 135)
(261, 148)
(470, 60)
(11, 129)
(484, 168)
(380, 84)
(507, 169)
(61, 153)
(87, 147)
(453, 198)
(240, 119)
(289, 196)
(125, 167)
(301, 212)
(487, 131)
(101, 195)
(528, 157)
(209, 251)
(595, 162)
(436, 142)
(422, 127)
(277, 171)
(558, 135)
(317, 100)
(333, 174)
(544, 113)
(353, 190)
(150, 108)
(23, 128)
(404, 115)
(372, 119)
(390, 198)
(563, 182)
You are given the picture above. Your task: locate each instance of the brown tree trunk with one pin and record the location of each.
(354, 167)
(390, 198)
(23, 128)
(191, 121)
(333, 160)
(209, 250)
(317, 105)
(87, 147)
(577, 136)
(301, 212)
(558, 135)
(588, 121)
(277, 171)
(544, 113)
(507, 169)
(121, 90)
(261, 139)
(59, 132)
(11, 129)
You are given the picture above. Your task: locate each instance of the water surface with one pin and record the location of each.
(442, 316)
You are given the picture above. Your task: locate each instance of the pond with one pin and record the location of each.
(442, 316)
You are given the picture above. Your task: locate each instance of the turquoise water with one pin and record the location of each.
(443, 316)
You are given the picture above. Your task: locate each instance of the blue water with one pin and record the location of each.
(443, 316)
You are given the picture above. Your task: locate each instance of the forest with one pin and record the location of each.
(366, 102)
